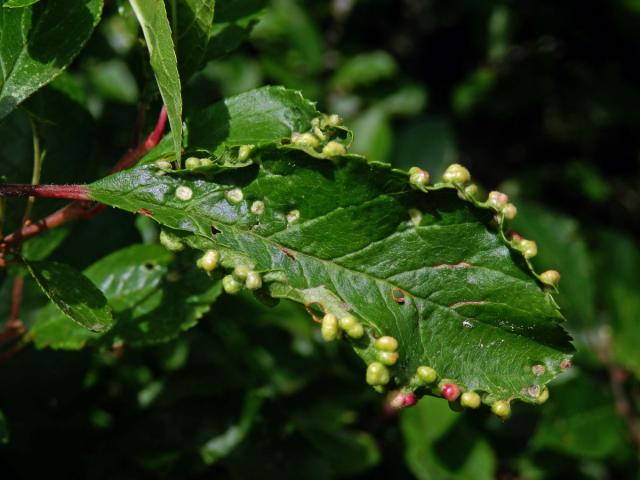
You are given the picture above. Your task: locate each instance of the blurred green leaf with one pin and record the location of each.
(561, 247)
(221, 445)
(232, 25)
(73, 294)
(618, 282)
(372, 134)
(472, 90)
(193, 24)
(363, 70)
(406, 101)
(442, 444)
(114, 81)
(580, 420)
(152, 16)
(427, 143)
(4, 430)
(39, 43)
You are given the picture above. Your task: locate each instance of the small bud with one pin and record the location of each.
(209, 261)
(529, 248)
(257, 207)
(191, 163)
(471, 190)
(231, 285)
(543, 396)
(497, 200)
(509, 211)
(397, 400)
(456, 173)
(418, 177)
(241, 272)
(244, 151)
(170, 241)
(348, 322)
(329, 328)
(470, 400)
(357, 331)
(450, 391)
(386, 344)
(377, 374)
(184, 193)
(305, 140)
(235, 195)
(293, 216)
(206, 162)
(501, 408)
(550, 277)
(426, 374)
(163, 164)
(253, 281)
(415, 215)
(388, 358)
(333, 149)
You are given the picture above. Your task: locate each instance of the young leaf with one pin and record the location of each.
(258, 117)
(152, 16)
(73, 294)
(39, 42)
(343, 235)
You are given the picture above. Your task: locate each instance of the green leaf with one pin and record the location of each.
(618, 281)
(193, 22)
(345, 236)
(363, 70)
(233, 23)
(152, 16)
(19, 3)
(39, 42)
(442, 444)
(221, 445)
(581, 421)
(153, 299)
(258, 117)
(4, 430)
(41, 246)
(73, 294)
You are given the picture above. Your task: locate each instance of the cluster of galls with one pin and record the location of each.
(319, 138)
(332, 327)
(242, 275)
(460, 177)
(458, 399)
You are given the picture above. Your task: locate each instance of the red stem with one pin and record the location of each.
(71, 192)
(81, 208)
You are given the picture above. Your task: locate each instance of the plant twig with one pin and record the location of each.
(80, 208)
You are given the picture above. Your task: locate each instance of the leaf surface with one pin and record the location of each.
(347, 236)
(38, 42)
(73, 294)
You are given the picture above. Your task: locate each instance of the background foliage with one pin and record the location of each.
(539, 98)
